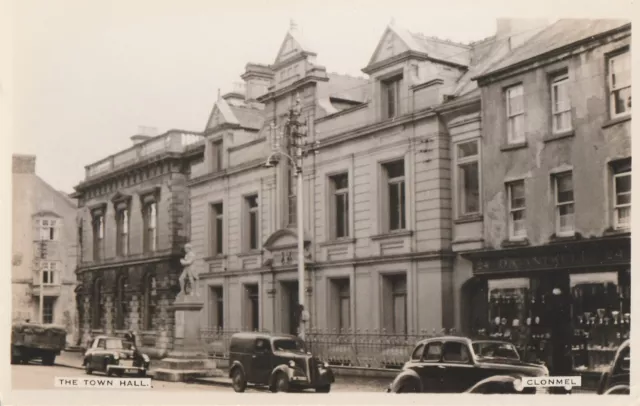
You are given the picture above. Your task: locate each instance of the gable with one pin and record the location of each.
(389, 46)
(221, 114)
(293, 44)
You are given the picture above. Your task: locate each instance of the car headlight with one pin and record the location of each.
(145, 357)
(325, 365)
(518, 385)
(292, 364)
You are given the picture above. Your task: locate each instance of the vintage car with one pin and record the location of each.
(31, 340)
(279, 362)
(616, 380)
(114, 356)
(452, 364)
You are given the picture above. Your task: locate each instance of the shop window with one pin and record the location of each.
(515, 114)
(507, 305)
(468, 177)
(565, 217)
(622, 194)
(560, 103)
(517, 210)
(620, 84)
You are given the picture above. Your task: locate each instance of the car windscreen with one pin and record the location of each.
(288, 345)
(489, 349)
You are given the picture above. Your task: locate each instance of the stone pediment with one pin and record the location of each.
(46, 213)
(282, 248)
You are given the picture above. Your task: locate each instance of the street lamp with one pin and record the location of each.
(296, 132)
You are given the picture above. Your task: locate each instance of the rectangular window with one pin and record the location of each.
(391, 97)
(98, 236)
(620, 84)
(150, 218)
(340, 205)
(515, 114)
(217, 231)
(395, 185)
(517, 210)
(252, 227)
(48, 273)
(47, 229)
(216, 309)
(80, 243)
(47, 309)
(565, 220)
(560, 104)
(622, 194)
(467, 160)
(122, 229)
(252, 307)
(341, 303)
(395, 304)
(217, 155)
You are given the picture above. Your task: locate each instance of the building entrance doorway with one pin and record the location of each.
(289, 303)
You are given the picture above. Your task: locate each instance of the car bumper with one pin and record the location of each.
(324, 377)
(125, 368)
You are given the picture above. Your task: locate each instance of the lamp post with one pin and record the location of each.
(43, 255)
(296, 131)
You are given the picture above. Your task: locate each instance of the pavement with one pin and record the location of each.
(73, 360)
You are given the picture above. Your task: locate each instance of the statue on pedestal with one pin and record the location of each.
(188, 278)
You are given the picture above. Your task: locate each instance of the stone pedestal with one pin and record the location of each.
(188, 359)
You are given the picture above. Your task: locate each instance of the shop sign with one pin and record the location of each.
(596, 255)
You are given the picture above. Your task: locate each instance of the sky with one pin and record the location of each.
(87, 74)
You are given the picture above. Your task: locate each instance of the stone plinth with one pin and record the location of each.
(188, 359)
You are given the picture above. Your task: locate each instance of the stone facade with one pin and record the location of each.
(129, 279)
(42, 217)
(375, 275)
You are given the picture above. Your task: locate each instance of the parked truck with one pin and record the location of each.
(30, 341)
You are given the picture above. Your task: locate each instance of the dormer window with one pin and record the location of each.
(391, 97)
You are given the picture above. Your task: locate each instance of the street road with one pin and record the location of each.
(37, 376)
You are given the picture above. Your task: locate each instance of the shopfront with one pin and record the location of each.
(579, 290)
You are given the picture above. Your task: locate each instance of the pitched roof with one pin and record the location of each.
(348, 87)
(560, 34)
(248, 117)
(434, 47)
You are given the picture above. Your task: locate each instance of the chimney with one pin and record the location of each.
(237, 95)
(24, 164)
(517, 31)
(144, 133)
(257, 79)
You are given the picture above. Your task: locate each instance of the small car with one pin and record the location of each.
(453, 364)
(115, 356)
(33, 340)
(616, 380)
(279, 362)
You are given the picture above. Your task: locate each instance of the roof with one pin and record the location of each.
(248, 117)
(562, 33)
(436, 48)
(348, 87)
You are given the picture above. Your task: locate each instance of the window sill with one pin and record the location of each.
(339, 241)
(617, 231)
(565, 237)
(558, 136)
(511, 243)
(511, 147)
(469, 218)
(392, 234)
(215, 257)
(249, 253)
(616, 120)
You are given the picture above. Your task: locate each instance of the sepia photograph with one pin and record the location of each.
(318, 198)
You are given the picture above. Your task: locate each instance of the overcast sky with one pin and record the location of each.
(88, 73)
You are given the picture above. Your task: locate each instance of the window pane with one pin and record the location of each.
(395, 169)
(401, 209)
(252, 201)
(399, 314)
(564, 184)
(517, 195)
(345, 316)
(624, 215)
(433, 352)
(253, 230)
(218, 236)
(621, 70)
(622, 100)
(470, 196)
(341, 215)
(467, 149)
(341, 181)
(623, 185)
(391, 100)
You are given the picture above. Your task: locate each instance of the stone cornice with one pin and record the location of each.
(165, 255)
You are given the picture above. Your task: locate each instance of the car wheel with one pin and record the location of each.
(324, 389)
(618, 390)
(142, 373)
(119, 373)
(281, 384)
(87, 368)
(48, 359)
(408, 387)
(238, 381)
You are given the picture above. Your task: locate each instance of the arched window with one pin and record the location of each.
(121, 303)
(96, 305)
(148, 301)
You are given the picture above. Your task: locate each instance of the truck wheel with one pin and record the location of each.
(408, 387)
(142, 373)
(238, 380)
(87, 368)
(324, 389)
(48, 359)
(281, 384)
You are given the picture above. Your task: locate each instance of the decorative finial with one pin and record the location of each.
(218, 93)
(393, 21)
(292, 24)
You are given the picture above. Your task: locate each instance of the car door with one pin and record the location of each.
(429, 368)
(458, 369)
(261, 361)
(97, 357)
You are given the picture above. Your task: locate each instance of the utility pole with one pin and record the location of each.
(43, 255)
(297, 130)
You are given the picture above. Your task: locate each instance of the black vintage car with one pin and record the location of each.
(616, 380)
(453, 364)
(115, 356)
(279, 362)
